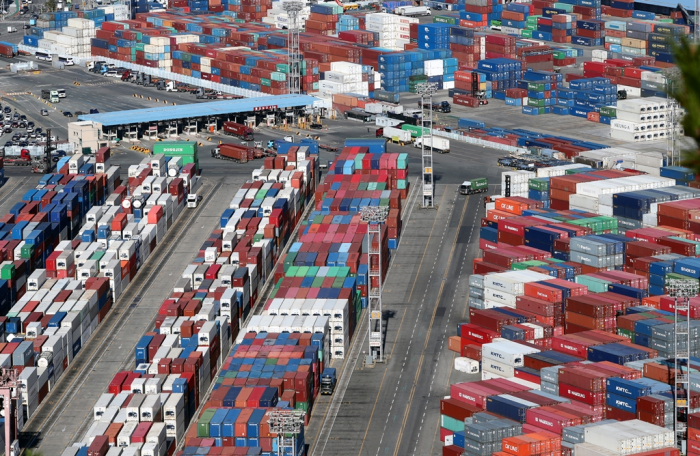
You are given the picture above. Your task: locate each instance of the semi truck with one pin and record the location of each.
(240, 153)
(328, 381)
(238, 130)
(234, 152)
(441, 145)
(440, 106)
(412, 11)
(479, 185)
(397, 135)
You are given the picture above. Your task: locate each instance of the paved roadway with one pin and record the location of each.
(393, 408)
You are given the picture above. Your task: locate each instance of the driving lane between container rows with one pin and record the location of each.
(421, 431)
(378, 399)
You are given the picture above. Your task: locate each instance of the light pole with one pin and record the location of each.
(375, 217)
(286, 423)
(681, 290)
(293, 55)
(426, 90)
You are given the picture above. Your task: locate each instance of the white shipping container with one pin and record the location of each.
(499, 296)
(467, 365)
(495, 367)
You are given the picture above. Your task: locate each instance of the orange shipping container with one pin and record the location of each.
(511, 206)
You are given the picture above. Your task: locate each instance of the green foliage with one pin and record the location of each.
(687, 91)
(51, 5)
(32, 453)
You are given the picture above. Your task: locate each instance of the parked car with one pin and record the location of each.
(44, 112)
(67, 114)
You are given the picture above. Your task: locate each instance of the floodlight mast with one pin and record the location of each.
(426, 91)
(681, 290)
(375, 216)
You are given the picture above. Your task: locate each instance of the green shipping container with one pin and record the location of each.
(26, 251)
(625, 333)
(451, 424)
(479, 183)
(536, 103)
(187, 150)
(527, 33)
(539, 184)
(609, 111)
(203, 423)
(446, 20)
(7, 272)
(358, 161)
(536, 86)
(416, 132)
(402, 161)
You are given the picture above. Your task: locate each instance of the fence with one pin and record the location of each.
(480, 142)
(162, 74)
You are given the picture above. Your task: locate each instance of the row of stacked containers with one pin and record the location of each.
(69, 249)
(570, 323)
(320, 288)
(193, 45)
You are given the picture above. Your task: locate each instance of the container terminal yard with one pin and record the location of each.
(347, 228)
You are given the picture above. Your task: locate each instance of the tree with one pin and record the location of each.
(51, 5)
(32, 453)
(686, 90)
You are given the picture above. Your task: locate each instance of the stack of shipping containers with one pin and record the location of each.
(70, 248)
(276, 360)
(569, 320)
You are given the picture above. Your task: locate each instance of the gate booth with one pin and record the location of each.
(191, 127)
(171, 129)
(151, 132)
(250, 122)
(270, 120)
(211, 125)
(111, 135)
(131, 134)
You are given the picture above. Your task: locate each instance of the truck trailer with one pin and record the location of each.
(397, 135)
(412, 11)
(238, 130)
(441, 145)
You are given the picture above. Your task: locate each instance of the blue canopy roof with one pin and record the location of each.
(211, 108)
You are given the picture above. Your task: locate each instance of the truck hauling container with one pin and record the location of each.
(396, 135)
(440, 106)
(238, 130)
(233, 152)
(441, 145)
(479, 185)
(240, 153)
(328, 381)
(412, 11)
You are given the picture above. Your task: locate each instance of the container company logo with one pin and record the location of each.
(508, 227)
(469, 398)
(622, 390)
(570, 348)
(622, 404)
(172, 149)
(496, 355)
(496, 368)
(508, 446)
(498, 284)
(692, 271)
(478, 336)
(540, 420)
(543, 295)
(575, 393)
